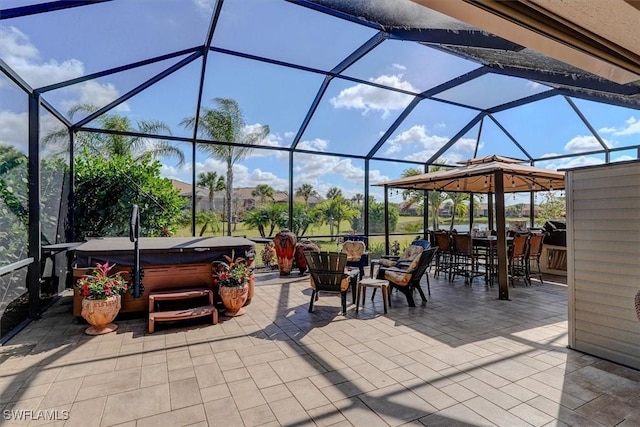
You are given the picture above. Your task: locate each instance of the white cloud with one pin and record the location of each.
(271, 140)
(366, 98)
(606, 130)
(622, 158)
(392, 148)
(570, 162)
(633, 127)
(376, 177)
(257, 176)
(24, 58)
(15, 44)
(205, 6)
(290, 134)
(582, 143)
(415, 133)
(94, 93)
(399, 66)
(317, 144)
(14, 130)
(430, 144)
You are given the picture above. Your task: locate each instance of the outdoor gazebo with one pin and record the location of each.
(494, 176)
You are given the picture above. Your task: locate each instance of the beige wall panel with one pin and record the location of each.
(612, 237)
(606, 182)
(612, 192)
(605, 267)
(605, 171)
(611, 247)
(608, 214)
(602, 336)
(606, 225)
(603, 258)
(605, 283)
(607, 353)
(627, 203)
(605, 303)
(624, 329)
(605, 255)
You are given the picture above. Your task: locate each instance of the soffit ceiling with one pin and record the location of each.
(516, 49)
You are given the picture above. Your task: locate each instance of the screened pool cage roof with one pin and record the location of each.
(313, 63)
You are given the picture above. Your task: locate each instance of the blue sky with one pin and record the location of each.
(350, 119)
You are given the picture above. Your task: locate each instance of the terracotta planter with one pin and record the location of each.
(285, 243)
(99, 313)
(233, 298)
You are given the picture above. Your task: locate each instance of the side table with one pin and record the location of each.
(383, 285)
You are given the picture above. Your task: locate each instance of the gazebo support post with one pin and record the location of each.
(532, 209)
(501, 228)
(490, 210)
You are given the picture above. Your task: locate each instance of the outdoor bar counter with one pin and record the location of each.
(167, 262)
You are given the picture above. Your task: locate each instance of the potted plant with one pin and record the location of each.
(101, 298)
(232, 278)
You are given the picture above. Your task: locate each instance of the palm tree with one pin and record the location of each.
(459, 207)
(333, 193)
(435, 199)
(225, 123)
(411, 196)
(358, 198)
(336, 210)
(306, 191)
(264, 191)
(110, 145)
(258, 218)
(208, 220)
(213, 183)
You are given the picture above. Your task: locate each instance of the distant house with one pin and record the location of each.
(185, 190)
(243, 199)
(408, 208)
(514, 210)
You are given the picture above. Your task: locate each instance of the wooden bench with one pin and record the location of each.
(181, 314)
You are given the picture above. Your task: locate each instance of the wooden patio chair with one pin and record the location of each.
(464, 262)
(407, 280)
(327, 270)
(443, 260)
(518, 258)
(535, 251)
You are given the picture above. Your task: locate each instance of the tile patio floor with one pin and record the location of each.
(463, 359)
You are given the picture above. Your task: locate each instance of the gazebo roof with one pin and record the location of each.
(478, 176)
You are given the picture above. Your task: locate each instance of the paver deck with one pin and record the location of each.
(465, 358)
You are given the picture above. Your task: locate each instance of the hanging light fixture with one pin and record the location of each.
(486, 184)
(513, 182)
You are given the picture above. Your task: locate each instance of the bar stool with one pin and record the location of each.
(383, 285)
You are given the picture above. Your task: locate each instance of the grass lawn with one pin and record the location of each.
(411, 225)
